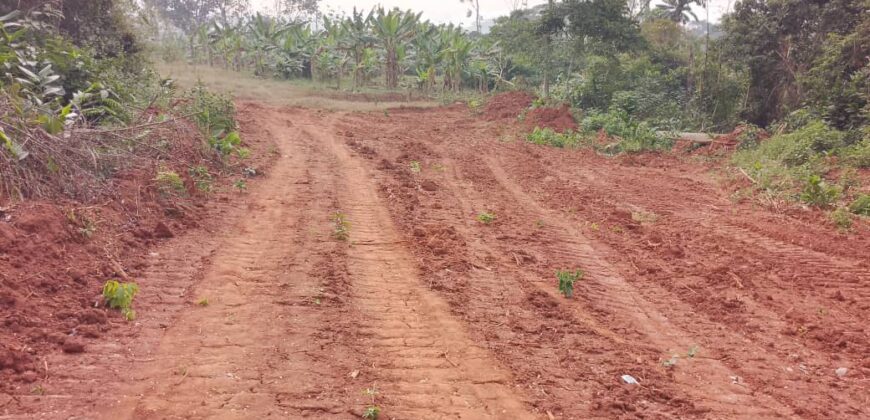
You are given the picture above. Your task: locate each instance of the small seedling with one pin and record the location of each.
(486, 218)
(372, 412)
(120, 296)
(671, 362)
(415, 167)
(241, 185)
(203, 302)
(566, 281)
(38, 390)
(693, 351)
(341, 228)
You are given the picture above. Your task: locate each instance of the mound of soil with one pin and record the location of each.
(56, 253)
(507, 106)
(557, 119)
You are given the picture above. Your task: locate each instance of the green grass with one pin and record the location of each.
(486, 218)
(302, 93)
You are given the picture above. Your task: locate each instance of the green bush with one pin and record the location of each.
(120, 296)
(549, 137)
(861, 205)
(634, 136)
(803, 145)
(818, 193)
(841, 218)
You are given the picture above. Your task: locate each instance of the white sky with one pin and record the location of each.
(443, 11)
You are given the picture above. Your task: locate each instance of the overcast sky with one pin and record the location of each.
(443, 11)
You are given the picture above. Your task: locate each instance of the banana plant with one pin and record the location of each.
(394, 29)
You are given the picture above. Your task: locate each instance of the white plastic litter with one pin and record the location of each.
(629, 379)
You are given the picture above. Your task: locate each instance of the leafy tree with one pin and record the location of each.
(393, 30)
(679, 10)
(779, 42)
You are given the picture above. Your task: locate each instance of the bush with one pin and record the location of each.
(801, 146)
(818, 193)
(861, 205)
(120, 296)
(841, 218)
(549, 137)
(634, 136)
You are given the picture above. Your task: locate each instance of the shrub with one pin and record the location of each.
(633, 136)
(169, 182)
(818, 193)
(549, 137)
(861, 205)
(120, 296)
(202, 179)
(841, 218)
(801, 146)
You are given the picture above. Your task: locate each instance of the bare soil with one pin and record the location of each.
(719, 309)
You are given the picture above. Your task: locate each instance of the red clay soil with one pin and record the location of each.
(717, 309)
(55, 256)
(558, 119)
(507, 106)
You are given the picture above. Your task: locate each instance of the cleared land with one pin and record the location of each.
(719, 310)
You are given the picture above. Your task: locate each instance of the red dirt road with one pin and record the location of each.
(719, 310)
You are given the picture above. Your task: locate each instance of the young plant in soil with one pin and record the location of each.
(486, 218)
(241, 185)
(372, 412)
(341, 228)
(120, 296)
(416, 167)
(567, 280)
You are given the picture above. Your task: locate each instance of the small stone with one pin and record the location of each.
(841, 372)
(354, 374)
(629, 379)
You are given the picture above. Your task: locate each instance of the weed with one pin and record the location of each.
(671, 362)
(241, 185)
(548, 137)
(818, 193)
(415, 167)
(566, 281)
(38, 390)
(202, 179)
(841, 218)
(203, 302)
(372, 412)
(539, 224)
(861, 205)
(439, 167)
(341, 228)
(693, 351)
(120, 296)
(486, 218)
(169, 182)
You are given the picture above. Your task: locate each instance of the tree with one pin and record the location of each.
(779, 43)
(297, 9)
(474, 9)
(594, 25)
(679, 10)
(394, 29)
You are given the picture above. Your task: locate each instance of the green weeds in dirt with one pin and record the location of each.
(841, 218)
(241, 185)
(416, 168)
(203, 302)
(567, 280)
(169, 183)
(341, 226)
(202, 179)
(372, 412)
(120, 296)
(818, 193)
(486, 218)
(861, 205)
